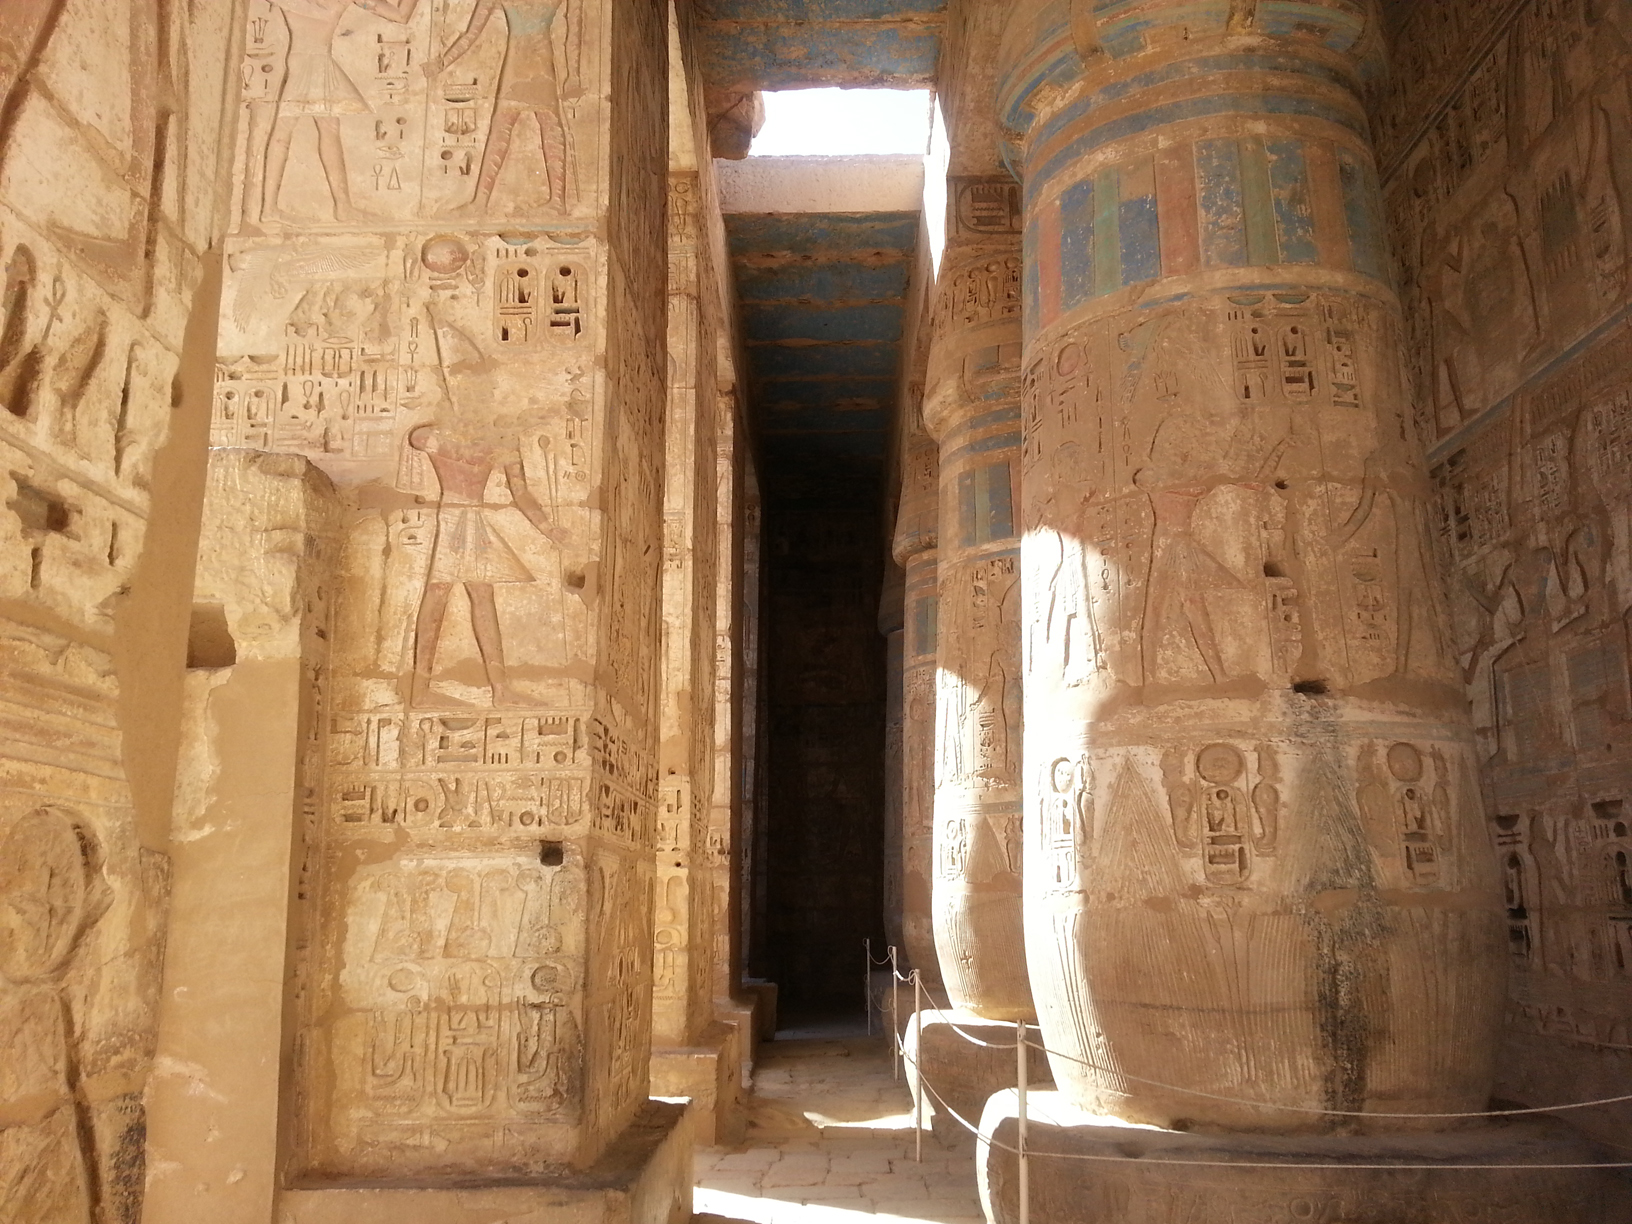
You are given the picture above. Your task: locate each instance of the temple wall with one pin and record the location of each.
(1507, 158)
(111, 207)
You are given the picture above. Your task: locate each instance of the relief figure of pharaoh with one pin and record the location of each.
(529, 84)
(469, 551)
(316, 87)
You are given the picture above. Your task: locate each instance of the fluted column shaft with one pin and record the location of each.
(972, 409)
(1255, 862)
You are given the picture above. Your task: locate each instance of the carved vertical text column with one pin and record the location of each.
(1255, 863)
(972, 409)
(448, 292)
(914, 547)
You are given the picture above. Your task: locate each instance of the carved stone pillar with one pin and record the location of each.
(972, 409)
(914, 548)
(692, 1055)
(1255, 864)
(457, 311)
(255, 685)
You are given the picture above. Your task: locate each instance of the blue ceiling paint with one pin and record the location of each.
(805, 44)
(822, 300)
(831, 361)
(794, 56)
(814, 321)
(835, 235)
(779, 392)
(825, 282)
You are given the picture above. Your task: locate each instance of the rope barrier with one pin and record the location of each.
(1340, 1113)
(927, 1087)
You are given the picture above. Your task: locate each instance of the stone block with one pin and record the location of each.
(1090, 1167)
(644, 1177)
(709, 1073)
(960, 1072)
(765, 1008)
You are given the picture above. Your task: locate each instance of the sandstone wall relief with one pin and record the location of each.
(418, 300)
(109, 168)
(1508, 200)
(971, 407)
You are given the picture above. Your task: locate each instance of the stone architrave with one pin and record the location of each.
(1255, 861)
(447, 291)
(111, 143)
(972, 410)
(914, 550)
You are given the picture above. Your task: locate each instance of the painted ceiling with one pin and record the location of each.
(822, 298)
(805, 44)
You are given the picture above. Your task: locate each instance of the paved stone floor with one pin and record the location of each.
(830, 1141)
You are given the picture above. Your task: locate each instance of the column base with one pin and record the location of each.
(643, 1178)
(1153, 1188)
(710, 1073)
(765, 1007)
(742, 1015)
(964, 1074)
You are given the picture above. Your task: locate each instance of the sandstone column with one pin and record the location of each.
(972, 409)
(448, 292)
(1255, 862)
(892, 626)
(914, 548)
(1259, 869)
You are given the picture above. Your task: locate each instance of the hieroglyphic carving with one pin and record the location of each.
(1224, 544)
(110, 139)
(415, 111)
(491, 735)
(463, 988)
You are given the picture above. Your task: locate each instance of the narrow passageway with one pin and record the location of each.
(830, 1141)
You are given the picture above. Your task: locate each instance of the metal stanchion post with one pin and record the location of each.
(895, 1013)
(867, 982)
(918, 1053)
(1020, 1113)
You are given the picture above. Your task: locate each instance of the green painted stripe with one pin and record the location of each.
(1258, 201)
(1107, 231)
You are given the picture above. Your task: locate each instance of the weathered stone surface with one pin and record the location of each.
(447, 291)
(1087, 1167)
(1255, 850)
(110, 199)
(643, 1177)
(972, 410)
(915, 551)
(269, 553)
(964, 1059)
